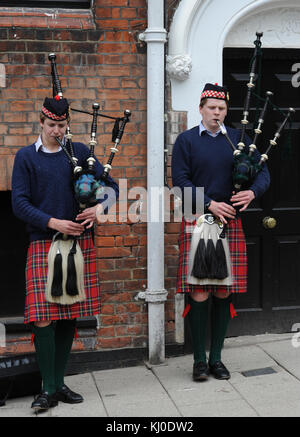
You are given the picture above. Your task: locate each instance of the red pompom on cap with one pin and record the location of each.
(57, 98)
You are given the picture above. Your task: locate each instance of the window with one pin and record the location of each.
(71, 4)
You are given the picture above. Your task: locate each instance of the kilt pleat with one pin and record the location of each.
(36, 306)
(237, 246)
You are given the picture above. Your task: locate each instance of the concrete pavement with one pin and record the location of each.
(265, 382)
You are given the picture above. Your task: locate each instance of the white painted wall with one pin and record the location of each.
(202, 28)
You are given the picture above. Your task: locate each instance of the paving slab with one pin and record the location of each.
(92, 405)
(19, 407)
(272, 395)
(133, 392)
(211, 398)
(233, 408)
(286, 354)
(247, 340)
(246, 358)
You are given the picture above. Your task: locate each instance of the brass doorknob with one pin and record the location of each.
(269, 222)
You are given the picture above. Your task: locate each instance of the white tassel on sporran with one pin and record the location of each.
(65, 280)
(209, 258)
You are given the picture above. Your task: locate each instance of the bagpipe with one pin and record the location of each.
(86, 187)
(246, 165)
(65, 280)
(209, 260)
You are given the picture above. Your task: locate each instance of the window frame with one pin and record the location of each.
(63, 4)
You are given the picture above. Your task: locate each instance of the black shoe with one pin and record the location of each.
(66, 395)
(200, 371)
(219, 370)
(44, 401)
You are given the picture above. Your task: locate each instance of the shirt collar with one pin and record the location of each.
(203, 129)
(39, 146)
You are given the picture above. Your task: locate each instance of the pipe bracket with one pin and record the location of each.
(154, 35)
(156, 296)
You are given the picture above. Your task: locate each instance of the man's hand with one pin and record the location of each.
(88, 216)
(222, 210)
(66, 226)
(242, 198)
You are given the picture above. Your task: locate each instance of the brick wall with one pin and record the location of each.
(99, 58)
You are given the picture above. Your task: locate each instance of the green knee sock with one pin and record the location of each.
(220, 316)
(64, 334)
(45, 354)
(197, 317)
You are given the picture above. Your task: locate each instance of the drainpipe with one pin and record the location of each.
(155, 295)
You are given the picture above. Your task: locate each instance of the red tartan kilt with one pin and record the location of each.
(36, 307)
(237, 246)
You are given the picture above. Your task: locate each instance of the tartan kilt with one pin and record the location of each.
(237, 247)
(36, 307)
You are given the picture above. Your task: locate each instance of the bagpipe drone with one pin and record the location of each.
(86, 187)
(209, 257)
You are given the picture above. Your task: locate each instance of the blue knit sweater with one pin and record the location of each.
(206, 161)
(42, 188)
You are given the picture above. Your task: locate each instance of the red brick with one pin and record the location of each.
(139, 274)
(24, 130)
(112, 83)
(109, 287)
(107, 309)
(11, 12)
(6, 21)
(107, 47)
(113, 252)
(113, 36)
(132, 285)
(115, 3)
(19, 117)
(134, 330)
(108, 331)
(112, 59)
(35, 22)
(121, 331)
(106, 264)
(14, 140)
(64, 23)
(131, 241)
(113, 230)
(133, 307)
(20, 105)
(103, 12)
(28, 82)
(113, 24)
(128, 13)
(3, 174)
(104, 241)
(121, 297)
(116, 13)
(119, 241)
(119, 342)
(87, 24)
(128, 83)
(8, 93)
(32, 13)
(94, 59)
(117, 275)
(138, 3)
(114, 319)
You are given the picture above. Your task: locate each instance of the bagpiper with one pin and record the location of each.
(43, 197)
(213, 258)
